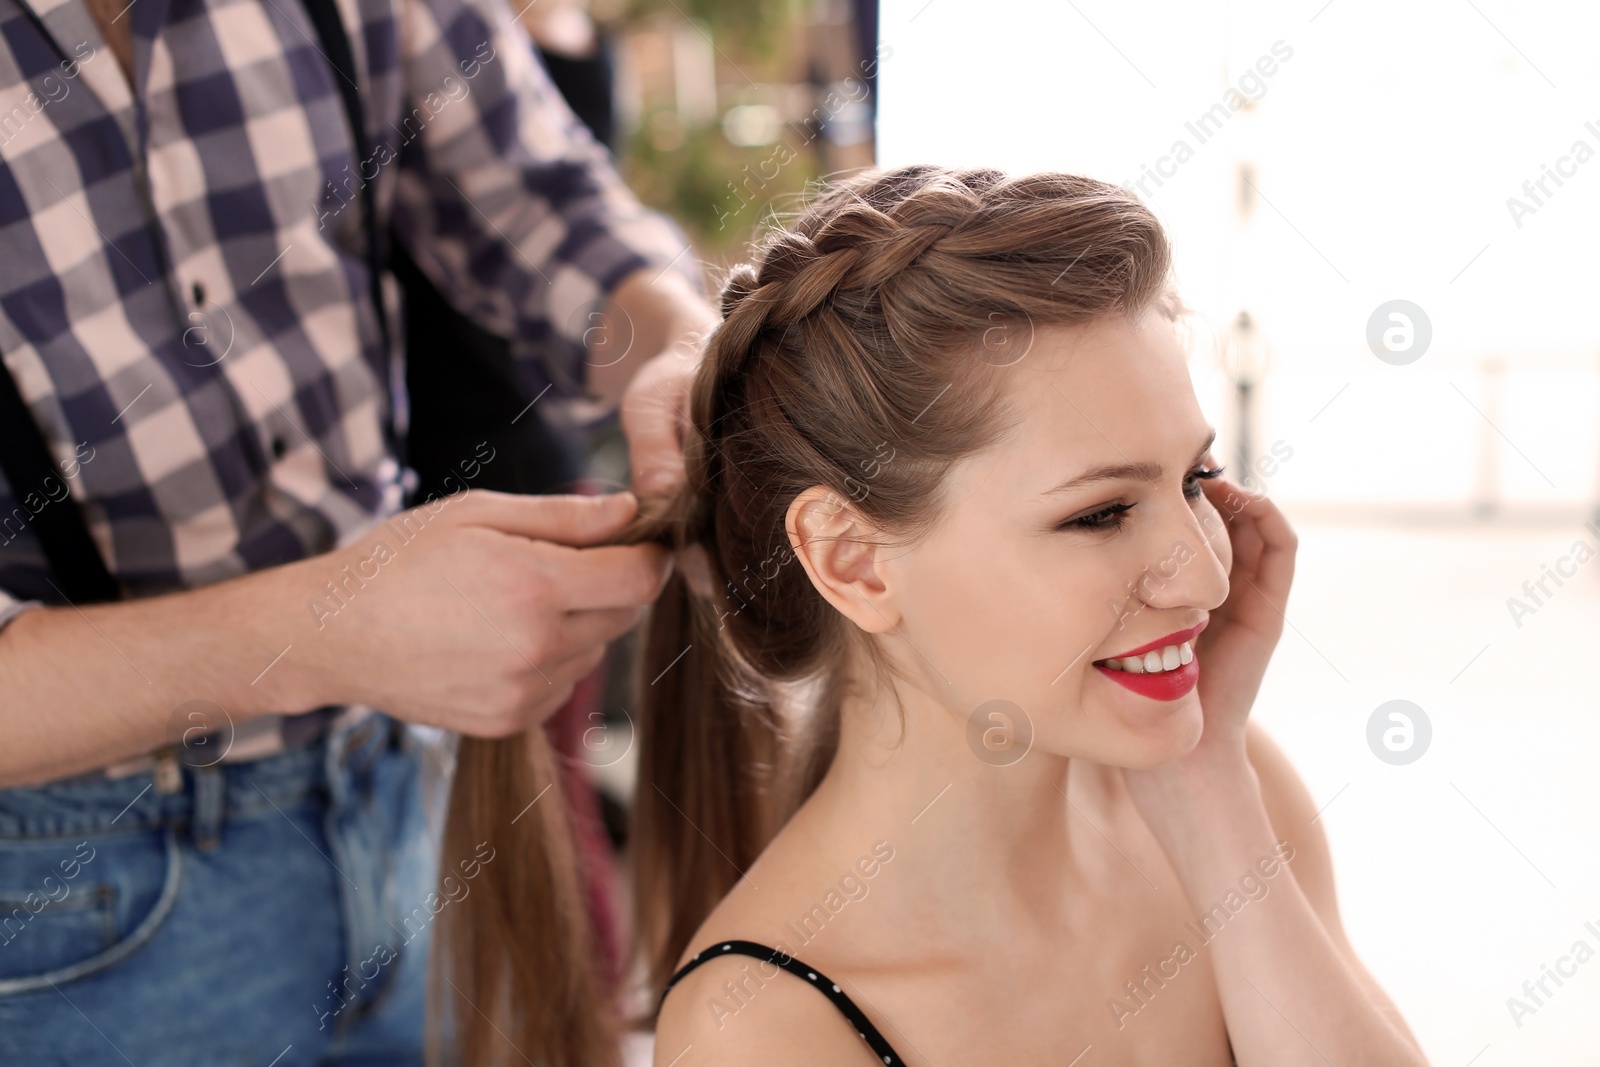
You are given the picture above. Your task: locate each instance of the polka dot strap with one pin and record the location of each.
(825, 985)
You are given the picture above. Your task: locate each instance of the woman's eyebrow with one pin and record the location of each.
(1139, 472)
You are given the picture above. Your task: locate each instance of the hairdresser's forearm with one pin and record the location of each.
(477, 612)
(1289, 996)
(84, 687)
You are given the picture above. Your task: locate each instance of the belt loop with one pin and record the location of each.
(165, 771)
(205, 825)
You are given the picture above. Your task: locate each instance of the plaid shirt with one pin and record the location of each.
(183, 294)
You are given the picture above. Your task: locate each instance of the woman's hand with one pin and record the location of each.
(1233, 651)
(1218, 819)
(1235, 648)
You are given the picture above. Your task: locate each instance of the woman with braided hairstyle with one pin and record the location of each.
(945, 710)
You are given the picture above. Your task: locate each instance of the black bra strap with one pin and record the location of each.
(824, 985)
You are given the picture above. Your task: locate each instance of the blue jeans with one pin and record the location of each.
(255, 915)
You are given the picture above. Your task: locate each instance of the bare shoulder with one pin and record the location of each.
(737, 1010)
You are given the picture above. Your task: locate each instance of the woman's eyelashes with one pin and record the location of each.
(1113, 516)
(1108, 517)
(1191, 484)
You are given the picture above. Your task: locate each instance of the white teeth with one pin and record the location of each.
(1168, 658)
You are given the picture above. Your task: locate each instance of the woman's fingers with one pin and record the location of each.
(1275, 562)
(1264, 544)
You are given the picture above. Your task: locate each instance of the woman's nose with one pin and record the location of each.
(1189, 567)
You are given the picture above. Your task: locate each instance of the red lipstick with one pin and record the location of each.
(1177, 638)
(1163, 685)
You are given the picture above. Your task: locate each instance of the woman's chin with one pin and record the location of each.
(1151, 732)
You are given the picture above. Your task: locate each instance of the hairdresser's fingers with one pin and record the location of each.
(612, 576)
(696, 567)
(572, 635)
(550, 693)
(655, 420)
(580, 632)
(577, 666)
(565, 519)
(520, 700)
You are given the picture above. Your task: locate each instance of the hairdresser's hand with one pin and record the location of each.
(478, 612)
(655, 420)
(662, 323)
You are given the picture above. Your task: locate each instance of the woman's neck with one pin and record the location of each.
(986, 844)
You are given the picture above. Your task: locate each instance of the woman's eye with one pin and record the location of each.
(1191, 484)
(1109, 517)
(1112, 516)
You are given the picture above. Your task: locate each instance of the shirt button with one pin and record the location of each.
(279, 447)
(198, 291)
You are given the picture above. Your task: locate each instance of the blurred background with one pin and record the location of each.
(1384, 216)
(1377, 153)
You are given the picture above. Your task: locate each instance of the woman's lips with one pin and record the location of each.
(1165, 685)
(1158, 684)
(1176, 638)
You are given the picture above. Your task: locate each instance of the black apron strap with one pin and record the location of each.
(58, 525)
(336, 47)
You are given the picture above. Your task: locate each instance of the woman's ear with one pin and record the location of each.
(837, 547)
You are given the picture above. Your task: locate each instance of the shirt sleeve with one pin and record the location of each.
(504, 198)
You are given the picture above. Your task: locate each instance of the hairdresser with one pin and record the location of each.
(209, 801)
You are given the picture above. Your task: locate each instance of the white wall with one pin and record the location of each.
(1387, 146)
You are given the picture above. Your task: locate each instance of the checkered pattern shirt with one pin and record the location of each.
(184, 297)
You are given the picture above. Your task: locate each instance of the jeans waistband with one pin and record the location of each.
(264, 736)
(91, 803)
